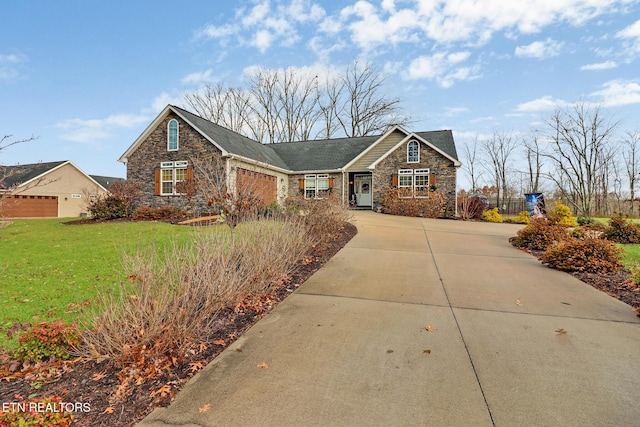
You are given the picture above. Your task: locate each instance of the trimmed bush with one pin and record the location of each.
(539, 235)
(621, 230)
(107, 208)
(491, 215)
(561, 214)
(147, 213)
(522, 218)
(398, 202)
(584, 255)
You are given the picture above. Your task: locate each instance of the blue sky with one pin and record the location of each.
(88, 77)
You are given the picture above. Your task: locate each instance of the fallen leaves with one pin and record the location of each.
(220, 342)
(262, 365)
(518, 302)
(205, 408)
(98, 376)
(561, 331)
(162, 391)
(430, 328)
(108, 410)
(196, 366)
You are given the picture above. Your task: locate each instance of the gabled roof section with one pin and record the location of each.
(21, 175)
(322, 155)
(232, 142)
(11, 176)
(439, 140)
(227, 141)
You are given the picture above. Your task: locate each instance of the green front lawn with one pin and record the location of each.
(632, 255)
(49, 270)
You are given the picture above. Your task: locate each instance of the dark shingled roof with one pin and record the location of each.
(15, 175)
(233, 142)
(327, 154)
(105, 181)
(442, 139)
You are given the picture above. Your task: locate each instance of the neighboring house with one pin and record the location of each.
(53, 189)
(356, 169)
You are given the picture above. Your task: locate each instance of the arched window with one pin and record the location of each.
(172, 135)
(413, 152)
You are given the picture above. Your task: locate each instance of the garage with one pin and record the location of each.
(29, 206)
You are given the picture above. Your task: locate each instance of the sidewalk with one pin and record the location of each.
(426, 323)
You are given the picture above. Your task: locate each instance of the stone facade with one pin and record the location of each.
(294, 184)
(149, 153)
(152, 151)
(443, 168)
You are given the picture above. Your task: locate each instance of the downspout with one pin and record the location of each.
(343, 188)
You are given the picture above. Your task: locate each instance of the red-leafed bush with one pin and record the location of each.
(584, 255)
(539, 235)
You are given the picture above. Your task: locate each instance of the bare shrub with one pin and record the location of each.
(129, 192)
(171, 297)
(471, 207)
(323, 218)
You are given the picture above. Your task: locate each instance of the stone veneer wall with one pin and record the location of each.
(147, 157)
(294, 183)
(436, 163)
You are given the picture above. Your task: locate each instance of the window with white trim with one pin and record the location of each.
(316, 186)
(421, 182)
(413, 152)
(172, 135)
(413, 182)
(170, 174)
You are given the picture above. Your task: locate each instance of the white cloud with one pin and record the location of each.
(443, 68)
(539, 49)
(95, 130)
(198, 77)
(545, 103)
(161, 101)
(474, 22)
(632, 34)
(263, 26)
(10, 66)
(607, 65)
(618, 92)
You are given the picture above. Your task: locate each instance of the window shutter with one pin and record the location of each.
(394, 179)
(331, 183)
(301, 184)
(157, 186)
(432, 179)
(189, 173)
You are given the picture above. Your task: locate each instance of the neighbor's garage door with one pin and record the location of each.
(22, 206)
(259, 184)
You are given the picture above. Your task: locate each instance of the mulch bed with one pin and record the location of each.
(97, 383)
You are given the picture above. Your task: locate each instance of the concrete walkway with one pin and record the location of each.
(427, 323)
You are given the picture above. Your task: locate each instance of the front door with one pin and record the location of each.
(363, 190)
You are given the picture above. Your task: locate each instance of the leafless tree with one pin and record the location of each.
(282, 105)
(631, 156)
(363, 109)
(579, 137)
(286, 102)
(534, 162)
(470, 151)
(499, 150)
(236, 204)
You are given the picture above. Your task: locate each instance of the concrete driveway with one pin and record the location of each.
(427, 323)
